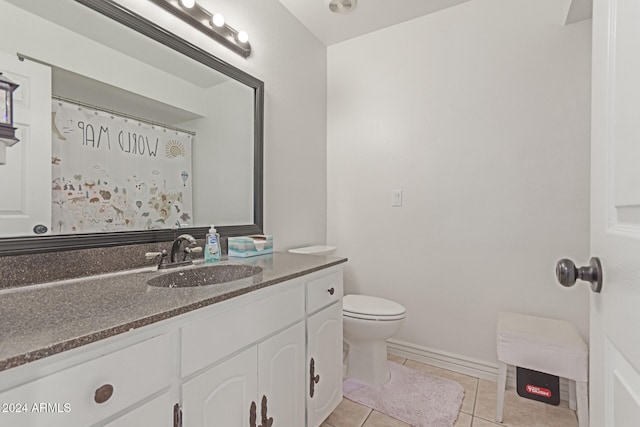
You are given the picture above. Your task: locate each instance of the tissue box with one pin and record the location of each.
(247, 246)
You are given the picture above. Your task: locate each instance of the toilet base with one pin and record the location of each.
(367, 362)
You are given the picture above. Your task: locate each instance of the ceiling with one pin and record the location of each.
(372, 15)
(579, 10)
(368, 16)
(86, 22)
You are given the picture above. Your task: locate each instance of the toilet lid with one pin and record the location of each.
(314, 250)
(358, 305)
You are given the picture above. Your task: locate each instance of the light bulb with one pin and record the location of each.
(188, 3)
(217, 20)
(243, 37)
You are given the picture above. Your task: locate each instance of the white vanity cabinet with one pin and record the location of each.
(263, 377)
(263, 382)
(290, 376)
(324, 346)
(94, 390)
(244, 361)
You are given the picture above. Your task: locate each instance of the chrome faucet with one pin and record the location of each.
(176, 247)
(191, 248)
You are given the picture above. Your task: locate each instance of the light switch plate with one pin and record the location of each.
(396, 198)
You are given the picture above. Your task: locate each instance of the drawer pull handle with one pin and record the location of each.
(266, 422)
(177, 415)
(103, 393)
(252, 415)
(315, 378)
(331, 291)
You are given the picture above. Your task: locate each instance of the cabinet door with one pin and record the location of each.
(281, 377)
(222, 395)
(324, 347)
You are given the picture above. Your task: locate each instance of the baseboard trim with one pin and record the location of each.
(440, 359)
(460, 364)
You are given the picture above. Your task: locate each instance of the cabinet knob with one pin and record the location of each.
(331, 291)
(103, 393)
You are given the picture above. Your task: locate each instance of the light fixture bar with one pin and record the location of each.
(200, 18)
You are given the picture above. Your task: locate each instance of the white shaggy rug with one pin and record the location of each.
(418, 399)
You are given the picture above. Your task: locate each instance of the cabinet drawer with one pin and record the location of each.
(118, 380)
(206, 341)
(156, 413)
(324, 291)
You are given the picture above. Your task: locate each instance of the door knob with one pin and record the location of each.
(567, 273)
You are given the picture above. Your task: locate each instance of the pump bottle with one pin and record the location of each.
(212, 251)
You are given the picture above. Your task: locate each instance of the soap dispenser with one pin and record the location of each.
(212, 251)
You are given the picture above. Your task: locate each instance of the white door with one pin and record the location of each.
(615, 214)
(25, 193)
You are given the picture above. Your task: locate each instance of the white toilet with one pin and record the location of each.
(367, 324)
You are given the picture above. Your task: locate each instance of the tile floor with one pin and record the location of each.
(478, 406)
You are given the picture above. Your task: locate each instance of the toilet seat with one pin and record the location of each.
(371, 308)
(314, 250)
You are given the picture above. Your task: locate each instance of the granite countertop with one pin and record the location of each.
(42, 320)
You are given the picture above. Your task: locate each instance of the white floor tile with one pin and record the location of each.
(478, 407)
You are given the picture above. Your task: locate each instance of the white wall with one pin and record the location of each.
(480, 114)
(292, 63)
(223, 153)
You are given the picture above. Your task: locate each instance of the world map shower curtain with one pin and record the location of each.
(113, 173)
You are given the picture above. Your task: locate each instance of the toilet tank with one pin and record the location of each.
(314, 250)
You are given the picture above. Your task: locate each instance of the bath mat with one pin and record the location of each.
(418, 399)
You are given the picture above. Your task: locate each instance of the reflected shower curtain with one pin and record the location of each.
(114, 173)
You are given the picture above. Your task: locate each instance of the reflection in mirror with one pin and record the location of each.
(122, 133)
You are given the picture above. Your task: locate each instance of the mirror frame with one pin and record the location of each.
(53, 243)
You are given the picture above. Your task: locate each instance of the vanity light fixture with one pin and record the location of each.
(212, 24)
(7, 130)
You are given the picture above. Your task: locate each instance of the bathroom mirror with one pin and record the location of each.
(146, 135)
